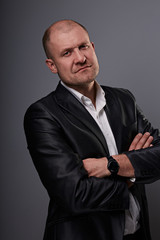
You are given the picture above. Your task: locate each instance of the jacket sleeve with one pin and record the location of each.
(62, 172)
(146, 162)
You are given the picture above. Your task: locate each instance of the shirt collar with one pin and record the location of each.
(100, 96)
(77, 94)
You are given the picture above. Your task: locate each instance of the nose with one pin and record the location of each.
(79, 57)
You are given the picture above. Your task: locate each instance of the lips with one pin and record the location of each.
(83, 68)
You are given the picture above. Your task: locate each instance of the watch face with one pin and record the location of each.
(113, 166)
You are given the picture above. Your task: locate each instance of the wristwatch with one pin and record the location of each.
(112, 165)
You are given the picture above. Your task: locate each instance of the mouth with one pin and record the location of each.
(83, 68)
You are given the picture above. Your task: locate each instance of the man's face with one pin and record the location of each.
(73, 56)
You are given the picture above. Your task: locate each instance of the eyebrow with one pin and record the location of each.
(70, 49)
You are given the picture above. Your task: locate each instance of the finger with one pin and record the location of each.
(143, 141)
(148, 142)
(86, 164)
(135, 141)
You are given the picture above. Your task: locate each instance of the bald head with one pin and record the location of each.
(59, 26)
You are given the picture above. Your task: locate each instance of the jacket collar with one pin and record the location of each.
(71, 104)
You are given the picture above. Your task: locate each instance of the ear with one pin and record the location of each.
(93, 45)
(51, 65)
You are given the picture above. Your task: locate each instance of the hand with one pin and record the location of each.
(96, 167)
(141, 141)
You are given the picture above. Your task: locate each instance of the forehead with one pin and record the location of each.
(63, 38)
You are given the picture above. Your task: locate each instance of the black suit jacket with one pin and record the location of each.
(60, 134)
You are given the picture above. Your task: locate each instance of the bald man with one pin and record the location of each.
(91, 145)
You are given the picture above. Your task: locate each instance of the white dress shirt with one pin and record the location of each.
(99, 115)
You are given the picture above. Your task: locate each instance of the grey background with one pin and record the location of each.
(126, 34)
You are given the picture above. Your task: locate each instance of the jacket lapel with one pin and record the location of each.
(70, 104)
(114, 117)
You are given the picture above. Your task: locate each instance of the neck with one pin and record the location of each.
(88, 90)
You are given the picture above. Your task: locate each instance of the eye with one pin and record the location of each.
(84, 46)
(67, 53)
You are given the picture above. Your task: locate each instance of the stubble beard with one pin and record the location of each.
(83, 78)
(86, 78)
